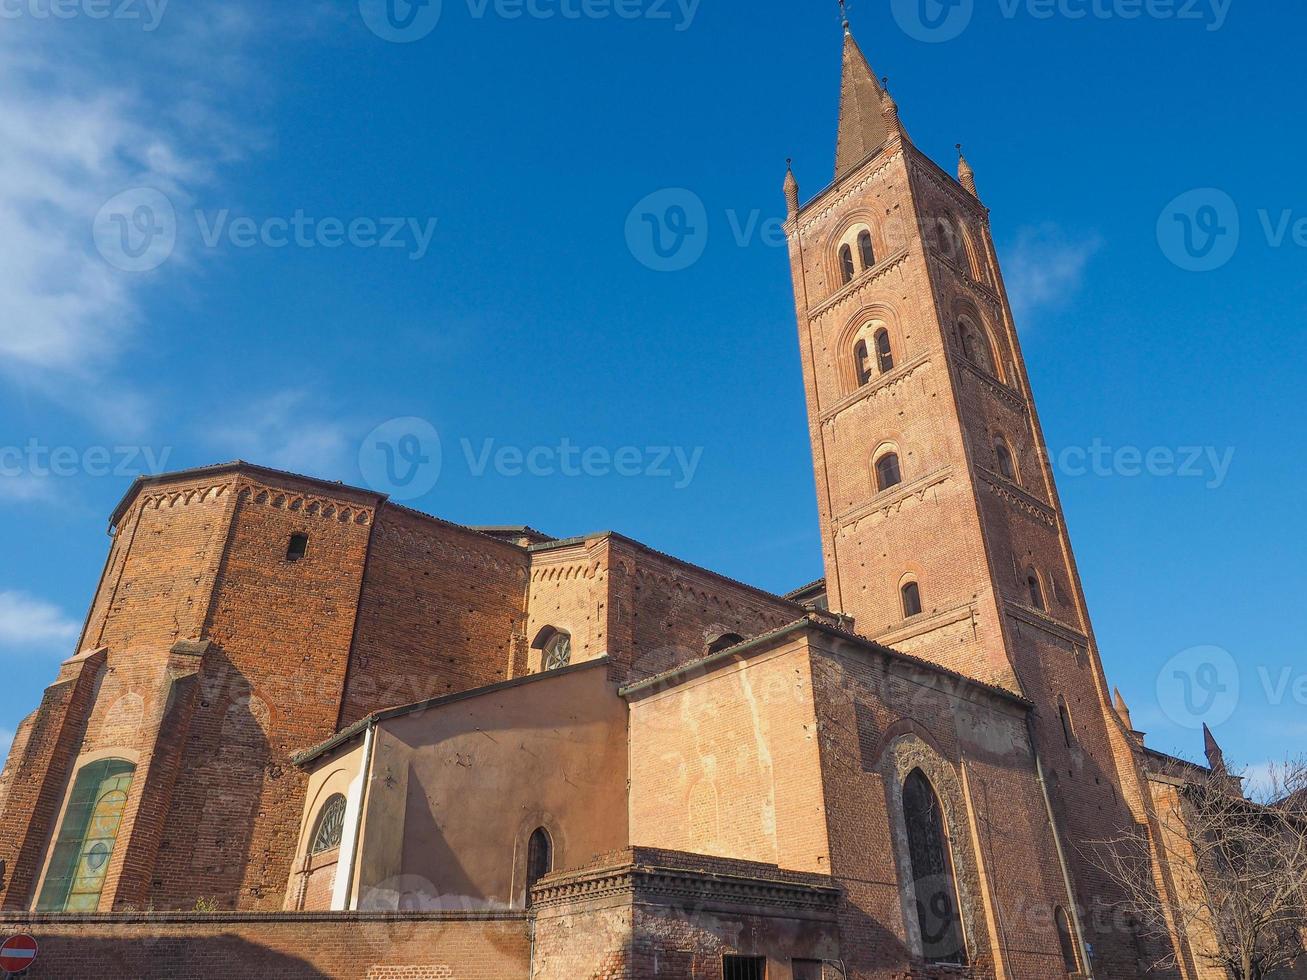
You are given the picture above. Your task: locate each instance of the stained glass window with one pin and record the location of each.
(932, 873)
(331, 825)
(82, 850)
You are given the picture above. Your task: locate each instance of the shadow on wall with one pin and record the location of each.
(164, 958)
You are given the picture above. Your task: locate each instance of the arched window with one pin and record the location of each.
(1006, 467)
(975, 346)
(932, 873)
(884, 353)
(80, 862)
(725, 642)
(539, 859)
(1070, 959)
(846, 263)
(910, 593)
(557, 650)
(863, 361)
(865, 250)
(1036, 590)
(331, 825)
(888, 473)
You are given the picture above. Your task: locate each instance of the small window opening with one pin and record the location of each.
(888, 473)
(1036, 590)
(725, 642)
(863, 361)
(1006, 467)
(298, 547)
(744, 968)
(1068, 731)
(846, 263)
(865, 250)
(884, 353)
(539, 859)
(911, 595)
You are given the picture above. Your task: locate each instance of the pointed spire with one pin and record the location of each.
(967, 177)
(863, 126)
(791, 190)
(1215, 757)
(1122, 708)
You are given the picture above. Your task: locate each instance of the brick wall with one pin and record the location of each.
(305, 947)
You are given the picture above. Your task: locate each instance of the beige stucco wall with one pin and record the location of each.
(455, 791)
(727, 763)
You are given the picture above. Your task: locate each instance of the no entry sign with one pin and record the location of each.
(17, 953)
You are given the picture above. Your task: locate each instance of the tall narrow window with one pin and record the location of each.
(846, 263)
(1070, 961)
(884, 353)
(1036, 590)
(539, 859)
(887, 472)
(910, 593)
(85, 844)
(862, 360)
(1006, 468)
(1068, 731)
(976, 348)
(932, 873)
(298, 547)
(744, 968)
(865, 250)
(331, 826)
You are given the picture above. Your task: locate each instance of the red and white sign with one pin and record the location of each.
(17, 953)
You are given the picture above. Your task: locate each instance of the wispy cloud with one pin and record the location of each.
(1045, 269)
(27, 623)
(291, 431)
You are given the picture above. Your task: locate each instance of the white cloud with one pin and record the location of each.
(287, 431)
(27, 622)
(1045, 269)
(24, 488)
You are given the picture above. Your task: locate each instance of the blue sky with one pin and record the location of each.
(511, 309)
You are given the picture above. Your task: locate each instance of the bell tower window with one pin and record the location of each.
(847, 270)
(884, 352)
(863, 359)
(888, 473)
(866, 251)
(910, 594)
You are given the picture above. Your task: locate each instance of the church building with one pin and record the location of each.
(309, 732)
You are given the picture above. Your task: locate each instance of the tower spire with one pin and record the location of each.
(966, 176)
(863, 127)
(791, 190)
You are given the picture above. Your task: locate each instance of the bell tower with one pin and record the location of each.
(942, 532)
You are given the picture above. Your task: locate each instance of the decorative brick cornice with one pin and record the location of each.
(184, 496)
(682, 887)
(885, 502)
(882, 383)
(862, 280)
(320, 507)
(1007, 395)
(1033, 617)
(1019, 498)
(840, 194)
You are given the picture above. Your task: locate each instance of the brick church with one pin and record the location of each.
(308, 732)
